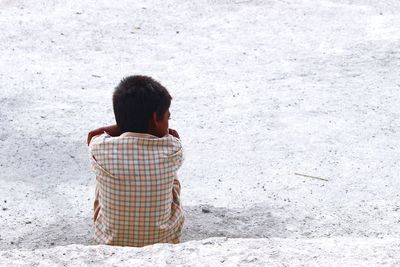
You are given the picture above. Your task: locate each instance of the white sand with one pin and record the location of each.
(262, 89)
(219, 252)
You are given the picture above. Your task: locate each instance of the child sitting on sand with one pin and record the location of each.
(136, 162)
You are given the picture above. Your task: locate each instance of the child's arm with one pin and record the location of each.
(112, 130)
(173, 133)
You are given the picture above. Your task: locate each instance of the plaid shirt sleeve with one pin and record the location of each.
(137, 194)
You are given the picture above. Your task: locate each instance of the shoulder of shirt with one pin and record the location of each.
(99, 138)
(174, 140)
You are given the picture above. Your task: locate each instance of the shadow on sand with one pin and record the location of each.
(208, 221)
(201, 222)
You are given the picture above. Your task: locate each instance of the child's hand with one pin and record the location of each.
(112, 130)
(173, 133)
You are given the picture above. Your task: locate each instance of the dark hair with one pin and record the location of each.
(134, 101)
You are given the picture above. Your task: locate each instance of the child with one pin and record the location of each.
(135, 162)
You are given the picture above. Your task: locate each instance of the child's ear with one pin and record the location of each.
(154, 119)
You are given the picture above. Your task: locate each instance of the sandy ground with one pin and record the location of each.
(262, 90)
(219, 252)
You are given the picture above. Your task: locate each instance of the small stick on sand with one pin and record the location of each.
(309, 176)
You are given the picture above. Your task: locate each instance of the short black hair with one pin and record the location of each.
(134, 101)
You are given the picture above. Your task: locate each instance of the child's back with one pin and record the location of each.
(135, 174)
(137, 193)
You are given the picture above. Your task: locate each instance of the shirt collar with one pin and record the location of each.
(139, 135)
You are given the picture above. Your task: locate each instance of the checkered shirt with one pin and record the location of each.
(137, 192)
